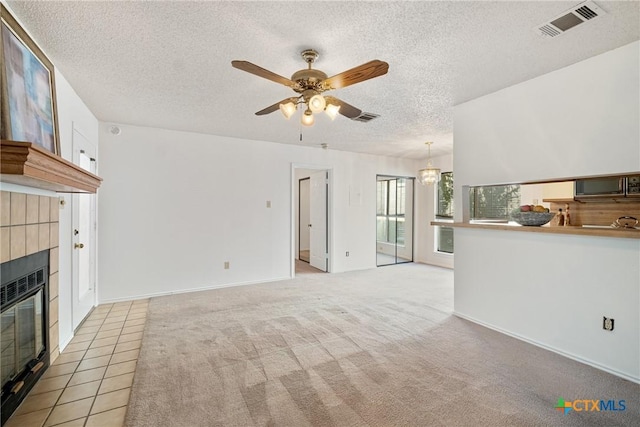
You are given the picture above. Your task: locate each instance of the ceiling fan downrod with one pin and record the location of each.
(310, 56)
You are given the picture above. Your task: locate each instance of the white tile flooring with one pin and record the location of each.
(89, 384)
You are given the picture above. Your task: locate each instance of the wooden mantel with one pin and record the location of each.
(27, 164)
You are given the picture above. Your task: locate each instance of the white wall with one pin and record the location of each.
(175, 205)
(72, 111)
(425, 213)
(578, 121)
(554, 289)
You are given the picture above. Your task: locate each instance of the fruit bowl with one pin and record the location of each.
(532, 218)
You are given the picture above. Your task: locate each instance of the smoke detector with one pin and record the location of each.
(577, 15)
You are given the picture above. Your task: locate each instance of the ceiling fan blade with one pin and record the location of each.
(261, 72)
(275, 107)
(358, 74)
(346, 110)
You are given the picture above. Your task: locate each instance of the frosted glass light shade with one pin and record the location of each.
(332, 111)
(429, 175)
(288, 109)
(317, 103)
(307, 118)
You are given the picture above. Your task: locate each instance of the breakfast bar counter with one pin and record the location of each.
(625, 233)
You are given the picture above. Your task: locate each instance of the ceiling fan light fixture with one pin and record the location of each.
(317, 103)
(288, 109)
(307, 118)
(429, 175)
(311, 83)
(332, 111)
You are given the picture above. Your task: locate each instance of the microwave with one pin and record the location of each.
(610, 187)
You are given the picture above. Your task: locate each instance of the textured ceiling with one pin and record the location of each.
(168, 64)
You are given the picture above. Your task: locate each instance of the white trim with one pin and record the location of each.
(555, 350)
(185, 291)
(63, 345)
(16, 188)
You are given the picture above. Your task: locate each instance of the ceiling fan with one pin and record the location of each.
(311, 83)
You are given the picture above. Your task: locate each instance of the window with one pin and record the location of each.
(494, 202)
(445, 196)
(390, 211)
(444, 210)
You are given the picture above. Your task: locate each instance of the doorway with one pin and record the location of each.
(312, 220)
(304, 222)
(394, 220)
(83, 274)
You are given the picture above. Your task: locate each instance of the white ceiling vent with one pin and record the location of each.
(585, 11)
(365, 117)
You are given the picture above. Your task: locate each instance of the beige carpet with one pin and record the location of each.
(377, 347)
(306, 268)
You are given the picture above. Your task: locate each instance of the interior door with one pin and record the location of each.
(318, 226)
(84, 235)
(304, 228)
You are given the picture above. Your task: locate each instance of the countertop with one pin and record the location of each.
(625, 233)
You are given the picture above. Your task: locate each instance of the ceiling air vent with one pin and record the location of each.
(583, 12)
(365, 117)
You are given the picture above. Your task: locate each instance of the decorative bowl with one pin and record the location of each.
(532, 218)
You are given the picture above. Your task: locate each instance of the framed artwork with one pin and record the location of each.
(28, 89)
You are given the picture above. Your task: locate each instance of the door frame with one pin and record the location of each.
(299, 221)
(93, 255)
(294, 207)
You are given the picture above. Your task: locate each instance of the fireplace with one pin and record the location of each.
(24, 324)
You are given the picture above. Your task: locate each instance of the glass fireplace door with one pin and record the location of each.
(8, 345)
(22, 335)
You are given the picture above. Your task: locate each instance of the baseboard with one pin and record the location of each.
(185, 291)
(553, 349)
(63, 344)
(431, 264)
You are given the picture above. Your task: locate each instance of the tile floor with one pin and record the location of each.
(88, 385)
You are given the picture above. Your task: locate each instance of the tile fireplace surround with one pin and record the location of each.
(29, 224)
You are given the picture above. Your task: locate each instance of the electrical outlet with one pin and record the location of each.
(268, 203)
(347, 254)
(226, 265)
(607, 323)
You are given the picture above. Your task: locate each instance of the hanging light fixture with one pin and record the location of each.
(429, 175)
(332, 111)
(307, 118)
(288, 109)
(317, 103)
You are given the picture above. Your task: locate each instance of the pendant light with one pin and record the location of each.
(429, 175)
(307, 118)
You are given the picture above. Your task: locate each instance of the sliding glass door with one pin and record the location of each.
(394, 220)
